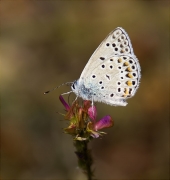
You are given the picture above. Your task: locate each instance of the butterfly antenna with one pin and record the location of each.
(67, 83)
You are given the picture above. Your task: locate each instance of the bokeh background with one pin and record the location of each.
(45, 43)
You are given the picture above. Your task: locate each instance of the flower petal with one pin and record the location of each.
(71, 129)
(90, 130)
(86, 104)
(105, 122)
(94, 134)
(92, 112)
(78, 138)
(64, 103)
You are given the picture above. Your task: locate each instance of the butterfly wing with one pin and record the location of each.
(114, 80)
(116, 43)
(113, 72)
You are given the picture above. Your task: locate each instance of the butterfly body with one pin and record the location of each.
(112, 73)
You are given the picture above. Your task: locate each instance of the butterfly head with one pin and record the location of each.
(74, 86)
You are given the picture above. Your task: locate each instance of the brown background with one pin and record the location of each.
(46, 43)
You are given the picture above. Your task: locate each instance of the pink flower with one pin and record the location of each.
(105, 122)
(92, 112)
(83, 123)
(64, 103)
(94, 126)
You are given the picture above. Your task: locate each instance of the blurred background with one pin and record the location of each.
(46, 43)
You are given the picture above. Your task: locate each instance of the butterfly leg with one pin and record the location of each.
(92, 104)
(67, 93)
(75, 100)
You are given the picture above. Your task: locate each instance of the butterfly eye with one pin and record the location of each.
(73, 86)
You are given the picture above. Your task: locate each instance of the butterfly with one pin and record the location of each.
(112, 73)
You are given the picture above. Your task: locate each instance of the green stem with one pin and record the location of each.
(84, 157)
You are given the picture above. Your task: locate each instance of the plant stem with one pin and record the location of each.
(84, 157)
